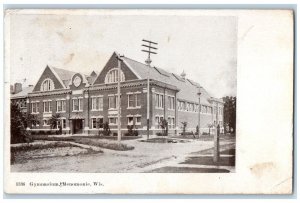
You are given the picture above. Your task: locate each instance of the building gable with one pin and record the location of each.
(78, 81)
(48, 74)
(113, 63)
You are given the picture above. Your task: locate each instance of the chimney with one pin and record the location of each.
(18, 87)
(11, 89)
(183, 75)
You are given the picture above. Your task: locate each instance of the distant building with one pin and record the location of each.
(19, 95)
(85, 102)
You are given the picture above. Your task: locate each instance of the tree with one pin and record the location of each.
(106, 129)
(18, 133)
(31, 120)
(164, 127)
(54, 122)
(230, 112)
(184, 125)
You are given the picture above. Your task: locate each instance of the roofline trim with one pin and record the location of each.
(132, 69)
(57, 76)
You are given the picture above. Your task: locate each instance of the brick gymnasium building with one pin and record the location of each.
(85, 102)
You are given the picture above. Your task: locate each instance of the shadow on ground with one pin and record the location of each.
(208, 161)
(168, 169)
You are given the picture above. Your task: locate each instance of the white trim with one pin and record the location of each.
(97, 117)
(84, 80)
(96, 96)
(127, 64)
(56, 75)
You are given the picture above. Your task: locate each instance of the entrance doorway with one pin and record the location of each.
(77, 126)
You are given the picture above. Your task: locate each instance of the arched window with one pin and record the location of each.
(47, 85)
(112, 76)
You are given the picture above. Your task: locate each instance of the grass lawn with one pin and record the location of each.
(169, 169)
(22, 152)
(107, 144)
(92, 141)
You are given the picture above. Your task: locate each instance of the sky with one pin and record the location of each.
(204, 47)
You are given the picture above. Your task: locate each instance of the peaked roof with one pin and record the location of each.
(25, 91)
(65, 75)
(188, 88)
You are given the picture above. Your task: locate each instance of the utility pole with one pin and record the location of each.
(216, 137)
(119, 96)
(148, 61)
(199, 111)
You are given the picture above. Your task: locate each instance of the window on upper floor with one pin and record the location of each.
(134, 100)
(47, 85)
(47, 106)
(77, 104)
(171, 102)
(159, 100)
(112, 76)
(97, 103)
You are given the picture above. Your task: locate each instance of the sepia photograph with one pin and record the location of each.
(144, 101)
(100, 94)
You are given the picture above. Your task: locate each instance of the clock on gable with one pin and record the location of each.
(77, 81)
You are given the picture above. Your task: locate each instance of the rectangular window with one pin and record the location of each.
(113, 120)
(97, 103)
(94, 123)
(138, 120)
(171, 122)
(157, 121)
(61, 106)
(64, 123)
(138, 100)
(112, 102)
(58, 106)
(171, 102)
(77, 104)
(131, 102)
(159, 100)
(47, 106)
(134, 100)
(130, 120)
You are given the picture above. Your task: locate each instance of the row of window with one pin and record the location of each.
(191, 107)
(159, 101)
(134, 101)
(131, 120)
(159, 119)
(61, 123)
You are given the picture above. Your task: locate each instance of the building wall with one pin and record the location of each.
(47, 74)
(113, 63)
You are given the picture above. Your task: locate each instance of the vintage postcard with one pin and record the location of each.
(148, 101)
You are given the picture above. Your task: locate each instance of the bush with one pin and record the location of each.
(131, 131)
(159, 134)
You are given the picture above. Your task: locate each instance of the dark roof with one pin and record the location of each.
(188, 88)
(23, 93)
(66, 75)
(63, 74)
